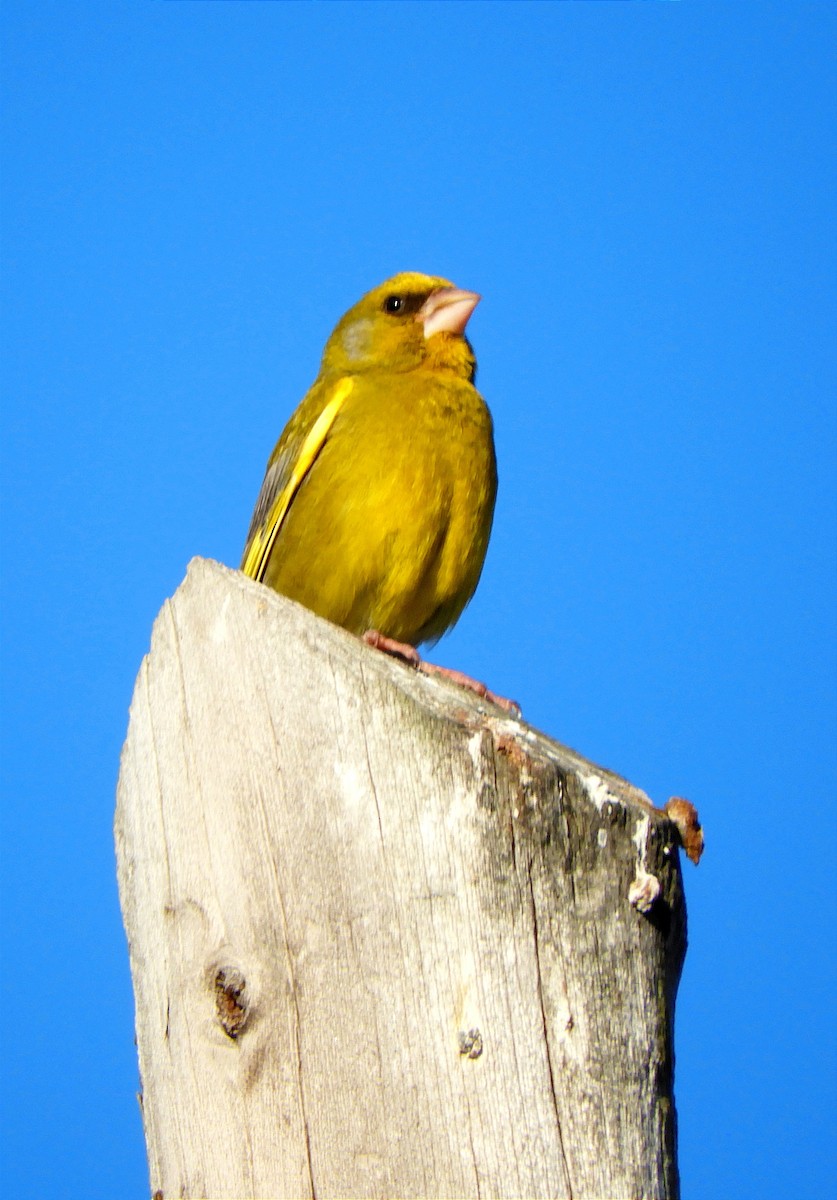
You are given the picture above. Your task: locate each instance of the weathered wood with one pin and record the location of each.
(385, 940)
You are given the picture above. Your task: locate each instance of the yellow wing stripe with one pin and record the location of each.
(261, 547)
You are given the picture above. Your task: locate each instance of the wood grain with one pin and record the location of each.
(385, 940)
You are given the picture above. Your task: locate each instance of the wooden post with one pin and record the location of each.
(385, 940)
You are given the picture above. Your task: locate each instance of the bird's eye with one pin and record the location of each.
(394, 304)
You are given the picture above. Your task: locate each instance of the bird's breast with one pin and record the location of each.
(390, 527)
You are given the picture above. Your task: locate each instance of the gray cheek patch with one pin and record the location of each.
(356, 339)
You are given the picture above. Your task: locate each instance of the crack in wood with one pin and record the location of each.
(552, 1091)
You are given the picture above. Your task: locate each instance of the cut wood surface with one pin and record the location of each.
(385, 939)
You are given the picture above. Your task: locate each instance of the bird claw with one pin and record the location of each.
(473, 685)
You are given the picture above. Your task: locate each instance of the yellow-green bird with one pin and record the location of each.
(377, 502)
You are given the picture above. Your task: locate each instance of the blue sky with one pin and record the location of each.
(644, 194)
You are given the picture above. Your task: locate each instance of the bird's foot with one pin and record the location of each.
(402, 650)
(410, 655)
(473, 685)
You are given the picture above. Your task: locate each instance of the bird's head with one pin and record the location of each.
(411, 320)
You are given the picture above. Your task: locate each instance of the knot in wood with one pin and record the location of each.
(470, 1043)
(231, 1001)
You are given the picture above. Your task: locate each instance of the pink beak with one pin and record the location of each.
(447, 310)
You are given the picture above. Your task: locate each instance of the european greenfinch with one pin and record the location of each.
(377, 502)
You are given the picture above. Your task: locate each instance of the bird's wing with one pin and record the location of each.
(291, 462)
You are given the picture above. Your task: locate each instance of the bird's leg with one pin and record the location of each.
(409, 654)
